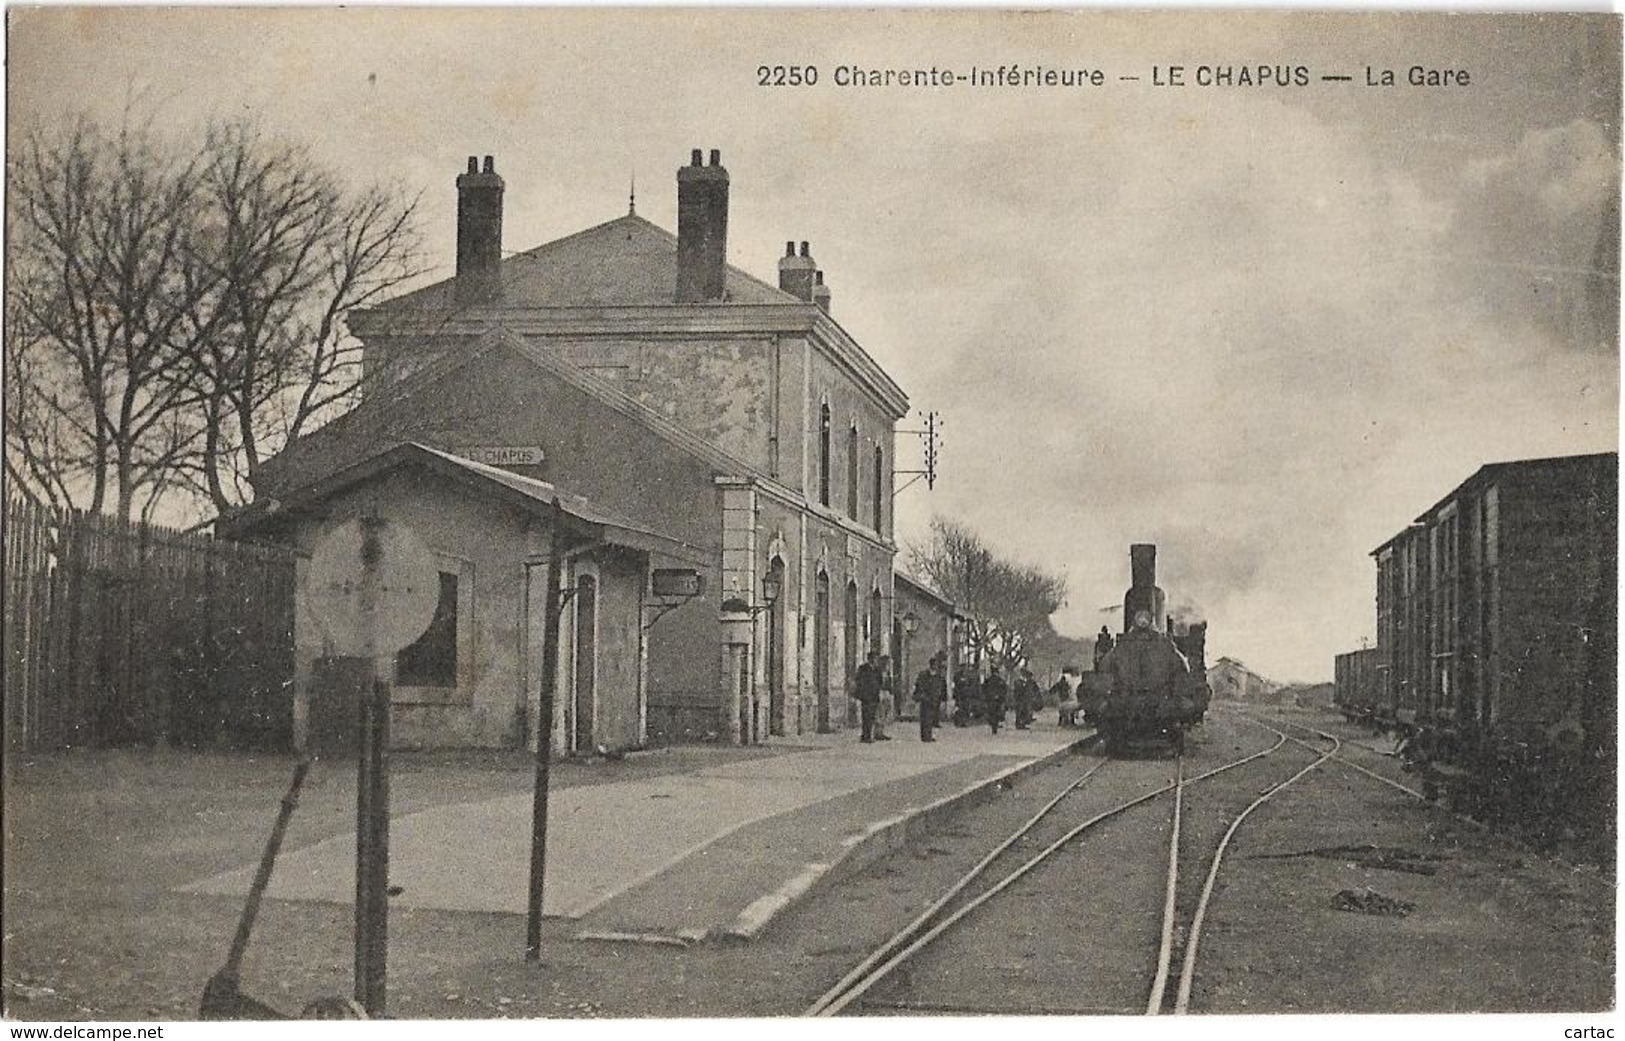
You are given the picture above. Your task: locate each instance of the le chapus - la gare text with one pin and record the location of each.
(1038, 76)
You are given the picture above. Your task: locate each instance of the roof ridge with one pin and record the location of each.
(373, 406)
(543, 249)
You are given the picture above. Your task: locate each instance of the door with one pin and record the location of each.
(775, 651)
(821, 651)
(850, 658)
(586, 662)
(901, 672)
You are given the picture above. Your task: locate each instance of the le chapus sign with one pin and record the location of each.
(505, 455)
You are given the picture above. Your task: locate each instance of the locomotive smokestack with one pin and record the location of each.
(1143, 564)
(1143, 594)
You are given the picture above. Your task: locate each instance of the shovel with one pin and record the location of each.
(222, 995)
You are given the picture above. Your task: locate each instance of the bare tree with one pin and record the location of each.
(1007, 605)
(295, 250)
(175, 312)
(101, 297)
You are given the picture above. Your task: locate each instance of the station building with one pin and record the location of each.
(733, 422)
(473, 678)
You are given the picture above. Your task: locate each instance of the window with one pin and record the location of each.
(852, 472)
(432, 660)
(823, 454)
(880, 488)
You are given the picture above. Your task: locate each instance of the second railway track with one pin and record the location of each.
(1079, 812)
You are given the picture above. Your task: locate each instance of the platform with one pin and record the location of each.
(684, 857)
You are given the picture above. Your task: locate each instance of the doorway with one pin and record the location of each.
(853, 634)
(586, 663)
(775, 650)
(821, 650)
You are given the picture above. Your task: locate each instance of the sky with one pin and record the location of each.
(1263, 327)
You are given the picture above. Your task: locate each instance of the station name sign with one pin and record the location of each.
(504, 455)
(673, 581)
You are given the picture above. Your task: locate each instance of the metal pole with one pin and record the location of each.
(363, 840)
(372, 793)
(544, 740)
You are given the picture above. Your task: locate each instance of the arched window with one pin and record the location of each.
(852, 472)
(880, 488)
(823, 454)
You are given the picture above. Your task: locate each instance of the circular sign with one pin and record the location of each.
(372, 588)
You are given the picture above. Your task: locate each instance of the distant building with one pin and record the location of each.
(1496, 606)
(1356, 682)
(1231, 680)
(635, 368)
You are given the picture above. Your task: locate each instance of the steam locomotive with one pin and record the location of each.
(1152, 684)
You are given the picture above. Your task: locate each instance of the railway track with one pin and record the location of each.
(1338, 757)
(973, 890)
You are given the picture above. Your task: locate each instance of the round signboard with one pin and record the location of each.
(405, 583)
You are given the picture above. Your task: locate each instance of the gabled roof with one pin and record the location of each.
(373, 414)
(924, 592)
(583, 517)
(626, 262)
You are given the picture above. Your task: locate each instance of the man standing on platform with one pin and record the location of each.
(1026, 693)
(866, 689)
(930, 690)
(994, 691)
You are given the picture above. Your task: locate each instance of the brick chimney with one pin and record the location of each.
(821, 292)
(796, 273)
(702, 229)
(479, 234)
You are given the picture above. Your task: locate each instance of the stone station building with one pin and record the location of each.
(733, 420)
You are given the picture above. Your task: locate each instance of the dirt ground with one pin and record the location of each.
(1342, 895)
(95, 844)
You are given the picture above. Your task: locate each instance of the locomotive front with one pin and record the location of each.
(1145, 688)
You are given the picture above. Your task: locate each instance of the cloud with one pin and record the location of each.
(1264, 359)
(1539, 228)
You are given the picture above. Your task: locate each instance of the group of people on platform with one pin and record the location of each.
(988, 699)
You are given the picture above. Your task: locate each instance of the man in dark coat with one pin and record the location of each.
(1103, 645)
(930, 690)
(866, 689)
(967, 695)
(994, 692)
(1026, 693)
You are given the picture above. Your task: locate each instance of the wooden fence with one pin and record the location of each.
(119, 633)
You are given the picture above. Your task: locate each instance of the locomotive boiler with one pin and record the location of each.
(1152, 684)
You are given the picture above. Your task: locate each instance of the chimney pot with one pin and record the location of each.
(490, 165)
(473, 164)
(702, 230)
(695, 158)
(796, 272)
